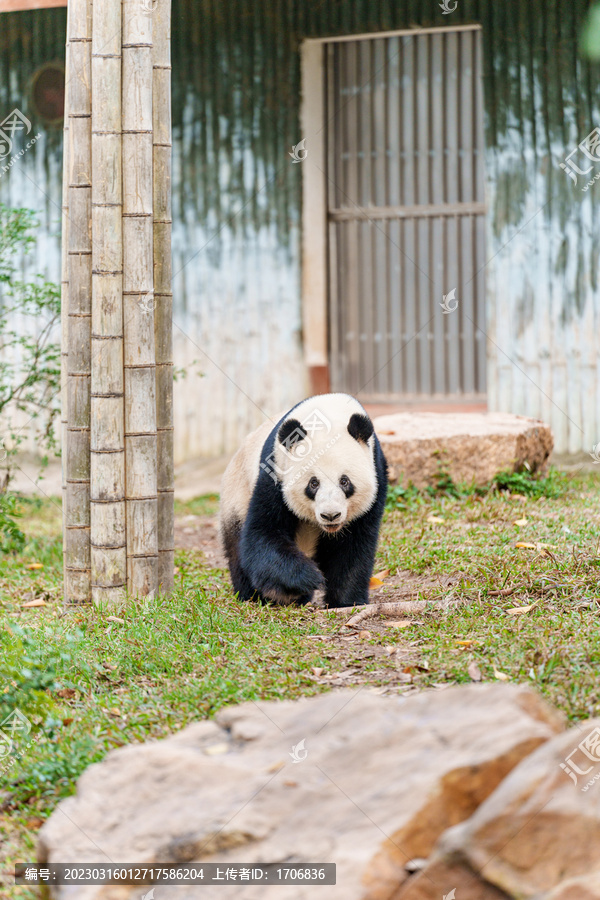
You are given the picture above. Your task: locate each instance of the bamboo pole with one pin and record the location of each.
(163, 296)
(77, 462)
(138, 302)
(64, 302)
(107, 491)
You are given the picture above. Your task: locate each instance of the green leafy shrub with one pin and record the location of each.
(29, 359)
(12, 538)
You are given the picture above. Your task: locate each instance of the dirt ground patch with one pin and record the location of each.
(200, 533)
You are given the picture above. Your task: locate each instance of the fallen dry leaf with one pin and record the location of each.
(466, 643)
(68, 720)
(316, 670)
(537, 546)
(115, 712)
(66, 693)
(364, 634)
(520, 522)
(375, 582)
(115, 619)
(400, 623)
(435, 520)
(34, 823)
(31, 603)
(519, 610)
(501, 676)
(35, 566)
(474, 672)
(381, 575)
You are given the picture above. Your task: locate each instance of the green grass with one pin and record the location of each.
(90, 684)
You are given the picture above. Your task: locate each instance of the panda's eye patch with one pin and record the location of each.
(346, 485)
(312, 487)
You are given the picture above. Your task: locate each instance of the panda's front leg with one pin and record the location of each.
(346, 560)
(277, 569)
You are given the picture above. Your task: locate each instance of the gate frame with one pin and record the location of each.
(314, 220)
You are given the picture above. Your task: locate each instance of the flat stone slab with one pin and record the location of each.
(470, 447)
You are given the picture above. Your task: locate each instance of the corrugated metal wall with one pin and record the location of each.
(237, 200)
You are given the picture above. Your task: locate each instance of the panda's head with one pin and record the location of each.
(328, 476)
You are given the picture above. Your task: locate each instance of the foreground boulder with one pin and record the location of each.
(471, 447)
(537, 836)
(376, 782)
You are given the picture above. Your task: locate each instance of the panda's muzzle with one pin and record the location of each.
(330, 522)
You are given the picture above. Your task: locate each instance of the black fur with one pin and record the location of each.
(264, 560)
(360, 427)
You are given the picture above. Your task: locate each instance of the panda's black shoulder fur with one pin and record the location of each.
(270, 565)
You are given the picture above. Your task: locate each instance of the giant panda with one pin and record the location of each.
(302, 503)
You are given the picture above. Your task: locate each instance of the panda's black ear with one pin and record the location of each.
(290, 433)
(360, 427)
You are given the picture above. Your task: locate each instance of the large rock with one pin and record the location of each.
(537, 836)
(382, 779)
(471, 447)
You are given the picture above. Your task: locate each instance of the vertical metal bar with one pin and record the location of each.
(479, 259)
(335, 174)
(452, 143)
(380, 298)
(407, 227)
(466, 306)
(365, 149)
(438, 348)
(422, 225)
(349, 53)
(393, 344)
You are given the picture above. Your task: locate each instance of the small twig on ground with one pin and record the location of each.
(399, 608)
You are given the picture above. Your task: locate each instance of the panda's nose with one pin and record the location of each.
(331, 517)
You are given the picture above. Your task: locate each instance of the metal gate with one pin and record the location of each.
(406, 214)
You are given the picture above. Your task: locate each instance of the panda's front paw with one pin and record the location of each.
(318, 599)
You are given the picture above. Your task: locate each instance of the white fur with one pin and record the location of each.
(327, 453)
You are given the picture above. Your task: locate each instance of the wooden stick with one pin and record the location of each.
(107, 497)
(79, 251)
(399, 608)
